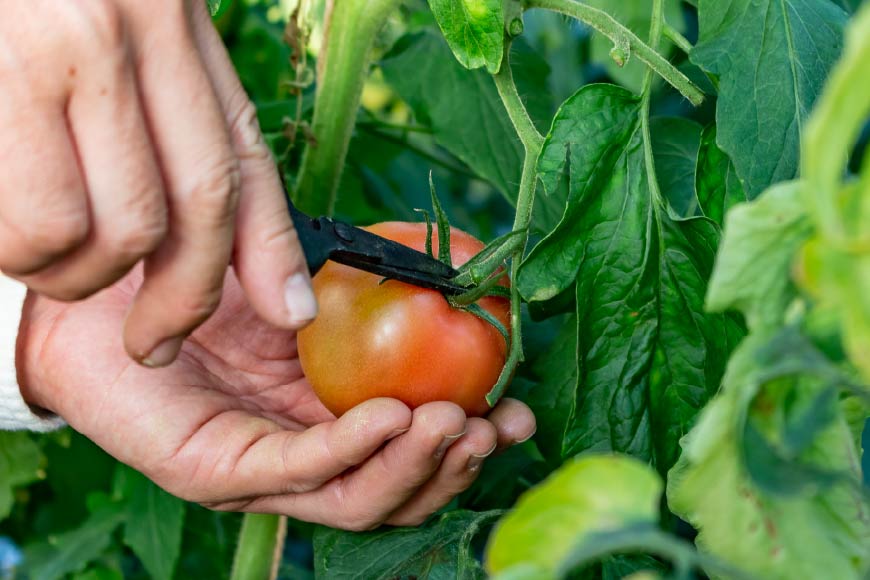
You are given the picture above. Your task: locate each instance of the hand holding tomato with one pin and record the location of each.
(233, 423)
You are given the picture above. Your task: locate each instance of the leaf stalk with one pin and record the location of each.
(620, 36)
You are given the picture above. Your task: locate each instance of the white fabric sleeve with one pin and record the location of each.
(15, 414)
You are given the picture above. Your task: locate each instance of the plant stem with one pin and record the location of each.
(678, 39)
(352, 26)
(532, 143)
(622, 36)
(258, 553)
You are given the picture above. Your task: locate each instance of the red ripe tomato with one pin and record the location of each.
(398, 340)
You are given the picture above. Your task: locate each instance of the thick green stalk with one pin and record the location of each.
(352, 28)
(532, 143)
(623, 37)
(258, 552)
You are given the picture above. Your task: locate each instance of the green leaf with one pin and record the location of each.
(153, 524)
(443, 225)
(647, 357)
(738, 521)
(716, 183)
(20, 464)
(440, 549)
(771, 57)
(463, 107)
(71, 551)
(636, 15)
(676, 143)
(474, 29)
(753, 269)
(589, 495)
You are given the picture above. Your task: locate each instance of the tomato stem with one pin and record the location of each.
(532, 142)
(622, 36)
(258, 552)
(342, 69)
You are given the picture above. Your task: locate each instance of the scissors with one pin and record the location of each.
(324, 238)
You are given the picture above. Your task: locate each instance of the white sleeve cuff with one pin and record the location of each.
(15, 414)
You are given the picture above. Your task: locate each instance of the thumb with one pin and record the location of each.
(268, 258)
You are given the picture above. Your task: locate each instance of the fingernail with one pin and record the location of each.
(529, 436)
(475, 461)
(300, 300)
(446, 443)
(398, 432)
(164, 353)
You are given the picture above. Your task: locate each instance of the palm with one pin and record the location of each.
(235, 374)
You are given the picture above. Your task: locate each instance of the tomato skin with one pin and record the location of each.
(400, 341)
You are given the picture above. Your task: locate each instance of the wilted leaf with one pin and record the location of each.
(768, 533)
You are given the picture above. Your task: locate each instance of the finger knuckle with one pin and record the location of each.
(352, 516)
(195, 307)
(55, 234)
(245, 128)
(146, 227)
(215, 192)
(99, 24)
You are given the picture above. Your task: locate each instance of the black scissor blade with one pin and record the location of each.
(407, 275)
(325, 239)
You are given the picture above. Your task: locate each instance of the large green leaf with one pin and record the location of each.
(153, 524)
(474, 29)
(648, 358)
(463, 107)
(440, 549)
(772, 57)
(20, 463)
(591, 495)
(753, 270)
(752, 512)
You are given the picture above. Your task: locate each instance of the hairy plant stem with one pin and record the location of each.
(532, 143)
(258, 552)
(351, 30)
(622, 36)
(678, 39)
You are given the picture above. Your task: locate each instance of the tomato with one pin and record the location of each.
(392, 339)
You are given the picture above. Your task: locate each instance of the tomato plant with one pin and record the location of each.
(678, 191)
(377, 338)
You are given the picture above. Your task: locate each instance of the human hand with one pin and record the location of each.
(125, 135)
(234, 425)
